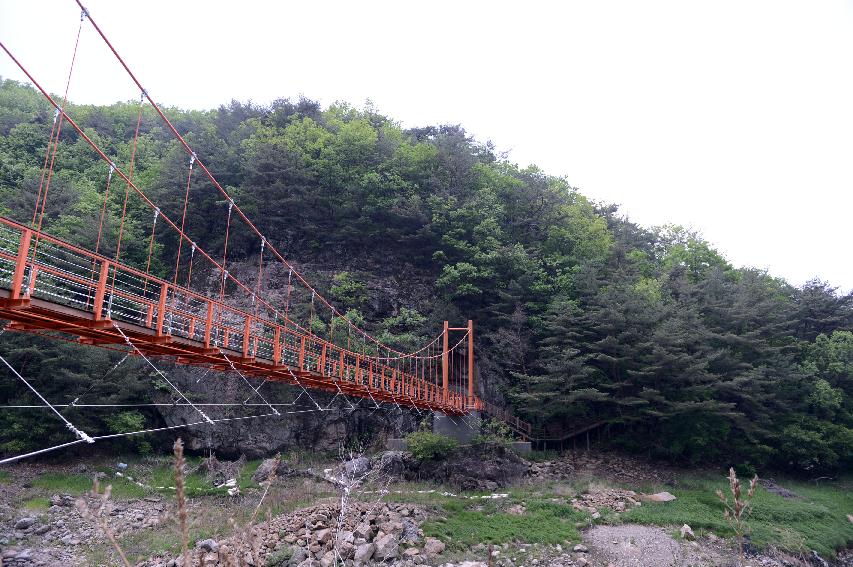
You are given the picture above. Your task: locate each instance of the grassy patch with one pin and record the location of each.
(817, 520)
(38, 503)
(77, 484)
(5, 477)
(468, 523)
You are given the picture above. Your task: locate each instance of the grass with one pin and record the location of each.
(37, 504)
(466, 523)
(77, 484)
(817, 520)
(5, 477)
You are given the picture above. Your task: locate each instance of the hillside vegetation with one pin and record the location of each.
(582, 316)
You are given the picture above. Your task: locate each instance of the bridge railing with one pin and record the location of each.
(36, 265)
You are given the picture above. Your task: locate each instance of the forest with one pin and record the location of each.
(582, 316)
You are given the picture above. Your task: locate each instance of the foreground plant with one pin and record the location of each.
(182, 500)
(737, 512)
(95, 514)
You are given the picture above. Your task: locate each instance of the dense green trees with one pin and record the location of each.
(582, 316)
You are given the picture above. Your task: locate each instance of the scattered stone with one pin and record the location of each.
(687, 533)
(433, 547)
(266, 468)
(62, 500)
(208, 545)
(658, 497)
(357, 467)
(363, 553)
(24, 523)
(299, 555)
(774, 488)
(387, 547)
(580, 548)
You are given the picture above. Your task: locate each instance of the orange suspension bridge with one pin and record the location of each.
(52, 287)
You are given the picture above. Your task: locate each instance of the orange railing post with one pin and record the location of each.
(302, 354)
(208, 324)
(470, 358)
(444, 368)
(276, 347)
(100, 291)
(247, 330)
(161, 308)
(21, 264)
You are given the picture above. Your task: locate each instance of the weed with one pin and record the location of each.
(182, 501)
(96, 516)
(738, 511)
(5, 477)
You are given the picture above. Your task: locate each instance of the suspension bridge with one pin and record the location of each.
(55, 288)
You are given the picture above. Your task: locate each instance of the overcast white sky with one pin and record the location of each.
(732, 117)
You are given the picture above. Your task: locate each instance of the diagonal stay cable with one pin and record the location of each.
(93, 384)
(246, 380)
(161, 373)
(81, 435)
(303, 389)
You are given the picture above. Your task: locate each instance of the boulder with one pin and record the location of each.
(687, 533)
(363, 553)
(299, 555)
(63, 500)
(208, 545)
(24, 523)
(323, 535)
(363, 530)
(266, 468)
(410, 531)
(658, 497)
(357, 467)
(387, 547)
(433, 547)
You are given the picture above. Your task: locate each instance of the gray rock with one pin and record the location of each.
(208, 545)
(580, 548)
(410, 531)
(62, 500)
(299, 555)
(357, 467)
(266, 468)
(24, 523)
(363, 553)
(433, 547)
(387, 547)
(363, 530)
(41, 530)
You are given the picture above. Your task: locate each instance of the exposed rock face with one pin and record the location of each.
(315, 430)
